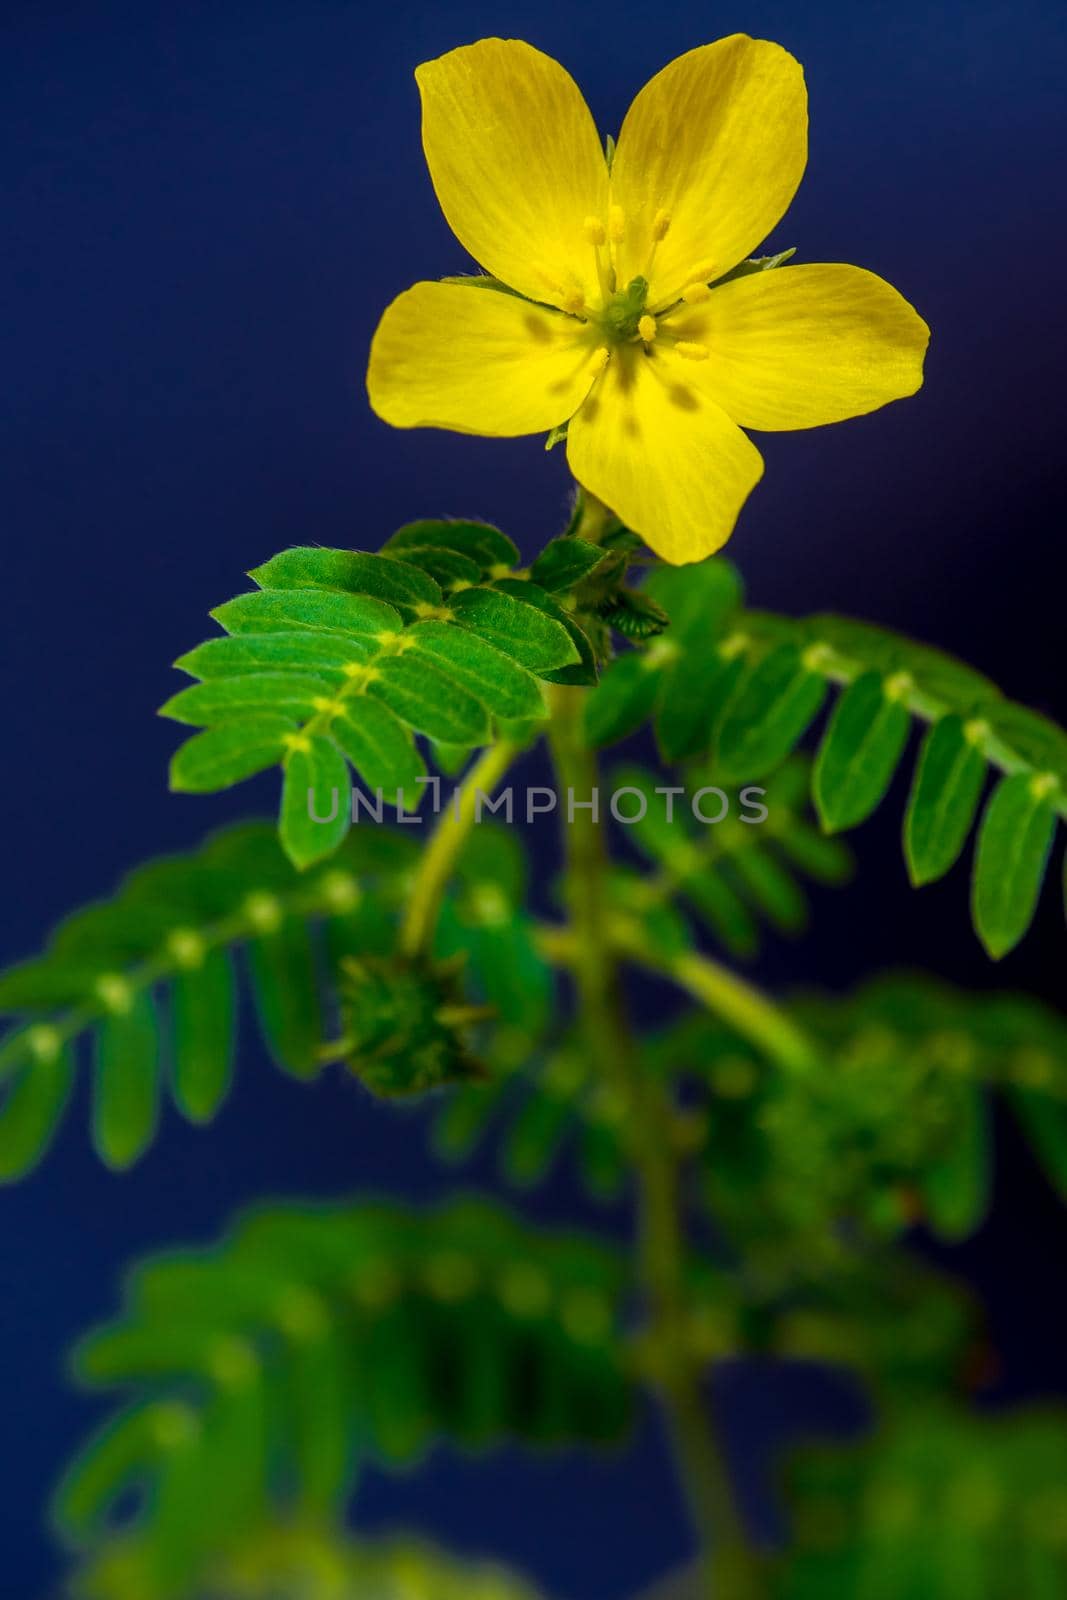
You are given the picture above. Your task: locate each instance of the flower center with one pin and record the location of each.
(624, 312)
(622, 317)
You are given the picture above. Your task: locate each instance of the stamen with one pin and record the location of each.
(694, 293)
(616, 224)
(600, 360)
(594, 230)
(647, 328)
(574, 302)
(660, 224)
(691, 351)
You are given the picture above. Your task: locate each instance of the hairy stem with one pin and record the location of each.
(439, 857)
(661, 1240)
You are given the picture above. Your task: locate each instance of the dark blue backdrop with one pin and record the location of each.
(206, 206)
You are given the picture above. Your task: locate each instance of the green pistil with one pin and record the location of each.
(624, 310)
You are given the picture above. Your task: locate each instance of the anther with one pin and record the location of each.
(646, 327)
(594, 230)
(616, 224)
(660, 224)
(574, 302)
(298, 742)
(691, 351)
(600, 359)
(694, 293)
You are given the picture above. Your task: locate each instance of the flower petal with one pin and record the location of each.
(662, 454)
(718, 141)
(800, 346)
(449, 355)
(517, 164)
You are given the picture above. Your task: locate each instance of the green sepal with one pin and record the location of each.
(745, 269)
(634, 615)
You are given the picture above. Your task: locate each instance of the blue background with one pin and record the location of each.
(206, 207)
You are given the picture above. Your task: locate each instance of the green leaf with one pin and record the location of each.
(353, 572)
(859, 753)
(126, 1080)
(697, 689)
(285, 989)
(944, 799)
(226, 754)
(478, 542)
(701, 602)
(1044, 1121)
(32, 1110)
(118, 1455)
(450, 758)
(956, 1187)
(623, 699)
(583, 671)
(321, 1404)
(447, 568)
(288, 694)
(203, 1014)
(380, 748)
(768, 715)
(520, 629)
(1013, 850)
(327, 654)
(724, 912)
(565, 562)
(313, 610)
(174, 922)
(1039, 743)
(313, 1341)
(771, 888)
(430, 701)
(316, 801)
(503, 687)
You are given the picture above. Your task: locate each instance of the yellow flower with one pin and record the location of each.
(613, 322)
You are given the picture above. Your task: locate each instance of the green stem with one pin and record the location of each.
(449, 837)
(661, 1241)
(737, 1002)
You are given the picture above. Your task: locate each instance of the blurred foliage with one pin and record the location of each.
(265, 1372)
(308, 1562)
(806, 1142)
(938, 1505)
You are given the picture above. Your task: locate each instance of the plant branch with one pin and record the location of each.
(739, 1003)
(661, 1239)
(449, 837)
